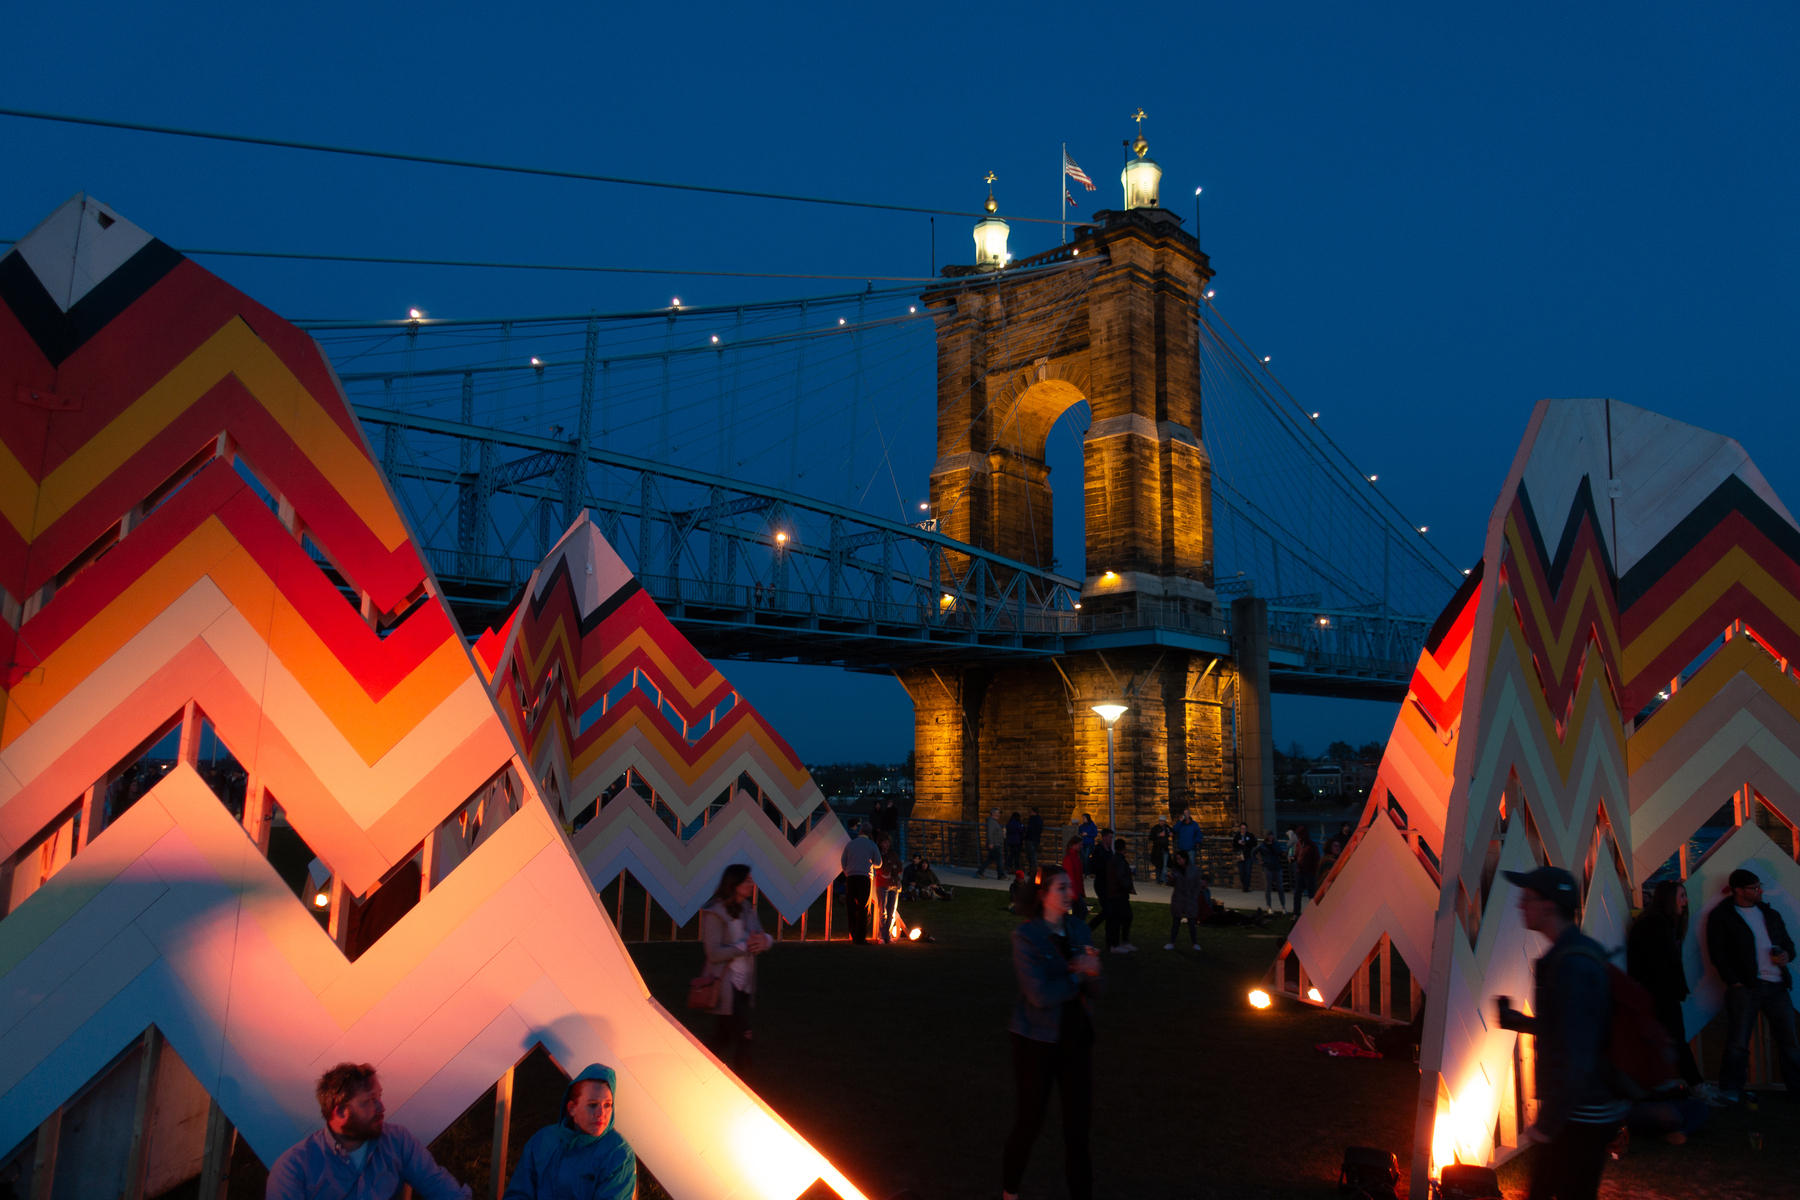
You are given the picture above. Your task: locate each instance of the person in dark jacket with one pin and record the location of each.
(1578, 1113)
(1097, 855)
(996, 838)
(1015, 842)
(583, 1156)
(1052, 1032)
(1306, 868)
(1119, 890)
(1653, 958)
(1187, 899)
(1033, 840)
(1750, 948)
(1160, 835)
(1245, 843)
(1274, 865)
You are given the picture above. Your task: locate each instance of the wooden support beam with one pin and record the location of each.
(259, 813)
(215, 1154)
(43, 1159)
(189, 748)
(138, 1158)
(93, 805)
(1387, 978)
(503, 1095)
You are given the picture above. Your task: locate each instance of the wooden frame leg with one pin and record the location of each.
(503, 1091)
(215, 1158)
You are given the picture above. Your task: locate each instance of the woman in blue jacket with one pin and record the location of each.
(1053, 1031)
(583, 1156)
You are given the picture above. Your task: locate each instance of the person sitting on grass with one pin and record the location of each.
(358, 1155)
(583, 1155)
(928, 885)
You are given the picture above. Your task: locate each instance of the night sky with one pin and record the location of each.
(1428, 218)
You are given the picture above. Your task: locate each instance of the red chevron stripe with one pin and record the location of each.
(1561, 676)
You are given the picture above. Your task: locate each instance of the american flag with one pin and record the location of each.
(1074, 171)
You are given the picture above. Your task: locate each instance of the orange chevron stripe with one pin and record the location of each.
(609, 731)
(641, 641)
(233, 350)
(372, 727)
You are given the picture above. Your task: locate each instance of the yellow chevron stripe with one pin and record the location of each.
(233, 350)
(641, 639)
(675, 762)
(1587, 584)
(1734, 566)
(372, 727)
(1739, 655)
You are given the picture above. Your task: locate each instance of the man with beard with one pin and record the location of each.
(358, 1156)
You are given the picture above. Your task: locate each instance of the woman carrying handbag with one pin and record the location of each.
(733, 937)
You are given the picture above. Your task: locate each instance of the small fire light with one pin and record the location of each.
(914, 934)
(1313, 995)
(1259, 999)
(321, 899)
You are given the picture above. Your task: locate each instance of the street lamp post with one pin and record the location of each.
(1110, 712)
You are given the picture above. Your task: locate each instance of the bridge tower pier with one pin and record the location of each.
(1015, 351)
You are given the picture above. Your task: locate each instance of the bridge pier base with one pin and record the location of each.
(1017, 737)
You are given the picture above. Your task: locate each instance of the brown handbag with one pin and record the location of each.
(703, 992)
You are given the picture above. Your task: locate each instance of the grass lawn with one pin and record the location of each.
(895, 1062)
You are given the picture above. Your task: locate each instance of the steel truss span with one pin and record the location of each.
(732, 456)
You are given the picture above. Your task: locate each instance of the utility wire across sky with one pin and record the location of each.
(505, 168)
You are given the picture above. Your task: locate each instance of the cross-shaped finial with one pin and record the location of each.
(1140, 118)
(989, 180)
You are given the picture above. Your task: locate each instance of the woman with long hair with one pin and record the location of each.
(1052, 1031)
(1653, 958)
(733, 937)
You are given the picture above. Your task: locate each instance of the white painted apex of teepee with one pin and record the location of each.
(595, 568)
(76, 247)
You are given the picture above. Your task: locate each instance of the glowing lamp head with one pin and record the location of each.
(1109, 577)
(414, 313)
(715, 339)
(321, 899)
(675, 302)
(914, 934)
(990, 243)
(924, 504)
(781, 539)
(1423, 528)
(1109, 711)
(1313, 995)
(1259, 999)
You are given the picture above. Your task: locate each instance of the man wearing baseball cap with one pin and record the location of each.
(1578, 1112)
(1750, 948)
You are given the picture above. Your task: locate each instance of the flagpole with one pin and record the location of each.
(1062, 176)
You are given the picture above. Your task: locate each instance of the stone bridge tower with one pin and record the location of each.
(1015, 351)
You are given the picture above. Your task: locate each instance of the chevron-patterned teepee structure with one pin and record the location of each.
(187, 505)
(1617, 699)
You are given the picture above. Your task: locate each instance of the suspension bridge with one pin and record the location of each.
(751, 463)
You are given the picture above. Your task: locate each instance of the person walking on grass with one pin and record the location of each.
(1119, 890)
(1244, 842)
(1274, 865)
(1750, 948)
(1186, 899)
(1188, 834)
(1653, 958)
(858, 861)
(1071, 863)
(1161, 835)
(1306, 869)
(1015, 843)
(1052, 1033)
(996, 838)
(733, 936)
(1571, 1021)
(1034, 836)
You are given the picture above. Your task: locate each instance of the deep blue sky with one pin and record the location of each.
(1430, 217)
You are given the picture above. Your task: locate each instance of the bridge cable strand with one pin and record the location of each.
(505, 168)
